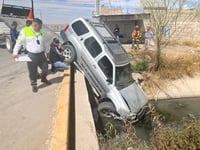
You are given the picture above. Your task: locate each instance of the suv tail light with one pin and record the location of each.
(67, 26)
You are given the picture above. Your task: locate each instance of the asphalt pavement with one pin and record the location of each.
(26, 118)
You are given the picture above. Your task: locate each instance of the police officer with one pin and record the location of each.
(32, 38)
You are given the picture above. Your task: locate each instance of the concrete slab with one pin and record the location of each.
(86, 138)
(181, 88)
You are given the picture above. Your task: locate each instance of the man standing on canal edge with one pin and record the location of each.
(32, 38)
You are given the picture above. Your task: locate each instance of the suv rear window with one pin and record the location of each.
(93, 46)
(80, 28)
(107, 67)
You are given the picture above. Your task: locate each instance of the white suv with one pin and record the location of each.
(91, 46)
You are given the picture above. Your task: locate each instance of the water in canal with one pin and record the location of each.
(173, 110)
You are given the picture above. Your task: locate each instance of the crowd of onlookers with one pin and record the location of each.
(137, 36)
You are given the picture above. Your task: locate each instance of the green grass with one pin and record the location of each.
(139, 66)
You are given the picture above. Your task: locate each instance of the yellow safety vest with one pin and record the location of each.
(29, 39)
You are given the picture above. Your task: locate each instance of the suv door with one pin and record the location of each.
(92, 49)
(108, 70)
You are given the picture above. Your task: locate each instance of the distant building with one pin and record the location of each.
(126, 22)
(186, 27)
(110, 11)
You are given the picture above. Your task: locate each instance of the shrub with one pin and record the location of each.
(181, 135)
(139, 66)
(184, 136)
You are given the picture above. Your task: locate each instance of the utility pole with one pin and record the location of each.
(97, 5)
(32, 4)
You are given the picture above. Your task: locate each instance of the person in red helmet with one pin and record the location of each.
(136, 36)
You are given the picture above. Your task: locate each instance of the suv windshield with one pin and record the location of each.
(123, 77)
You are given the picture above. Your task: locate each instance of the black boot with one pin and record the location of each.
(35, 89)
(44, 80)
(34, 86)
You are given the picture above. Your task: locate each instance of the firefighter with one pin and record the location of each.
(136, 36)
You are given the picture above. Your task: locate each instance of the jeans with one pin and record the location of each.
(60, 66)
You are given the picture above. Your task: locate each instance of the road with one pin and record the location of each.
(26, 118)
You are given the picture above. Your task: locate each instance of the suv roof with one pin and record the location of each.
(115, 51)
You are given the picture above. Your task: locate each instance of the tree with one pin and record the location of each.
(164, 16)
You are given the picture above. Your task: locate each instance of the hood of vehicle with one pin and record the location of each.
(134, 97)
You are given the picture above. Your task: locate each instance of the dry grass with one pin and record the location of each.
(181, 135)
(193, 44)
(173, 66)
(184, 137)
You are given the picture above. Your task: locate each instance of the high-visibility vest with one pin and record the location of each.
(138, 36)
(29, 39)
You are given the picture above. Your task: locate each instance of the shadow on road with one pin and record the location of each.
(53, 81)
(3, 46)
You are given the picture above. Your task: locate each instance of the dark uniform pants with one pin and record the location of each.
(38, 60)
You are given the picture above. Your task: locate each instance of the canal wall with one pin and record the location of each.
(181, 88)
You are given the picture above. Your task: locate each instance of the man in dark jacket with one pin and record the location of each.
(56, 57)
(13, 33)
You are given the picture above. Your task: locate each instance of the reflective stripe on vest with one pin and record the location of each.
(28, 32)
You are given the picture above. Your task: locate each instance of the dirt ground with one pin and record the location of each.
(187, 85)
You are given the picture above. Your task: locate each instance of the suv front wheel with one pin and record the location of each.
(69, 53)
(104, 109)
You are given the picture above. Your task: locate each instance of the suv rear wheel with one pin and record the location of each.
(69, 53)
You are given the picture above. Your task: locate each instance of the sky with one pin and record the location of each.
(64, 11)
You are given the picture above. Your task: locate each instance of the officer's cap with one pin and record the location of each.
(37, 20)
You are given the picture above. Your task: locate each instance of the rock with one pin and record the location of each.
(138, 77)
(130, 148)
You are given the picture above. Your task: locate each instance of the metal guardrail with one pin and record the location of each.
(63, 134)
(72, 112)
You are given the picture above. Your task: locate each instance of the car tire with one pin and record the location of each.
(106, 106)
(69, 53)
(109, 107)
(8, 44)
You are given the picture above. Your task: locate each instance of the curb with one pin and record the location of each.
(59, 136)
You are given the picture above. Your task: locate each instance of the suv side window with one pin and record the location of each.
(107, 67)
(93, 46)
(80, 28)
